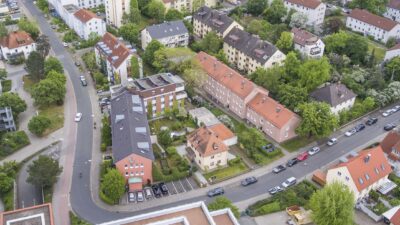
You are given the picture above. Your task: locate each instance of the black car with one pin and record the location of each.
(292, 162)
(268, 148)
(389, 126)
(83, 82)
(163, 188)
(360, 127)
(371, 121)
(156, 190)
(279, 169)
(215, 192)
(248, 181)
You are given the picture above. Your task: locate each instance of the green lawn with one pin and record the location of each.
(379, 50)
(28, 83)
(56, 115)
(227, 172)
(6, 85)
(296, 143)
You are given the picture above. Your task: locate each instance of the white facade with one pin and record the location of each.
(59, 4)
(172, 40)
(311, 50)
(393, 52)
(392, 13)
(115, 9)
(180, 5)
(25, 50)
(315, 16)
(343, 106)
(95, 25)
(87, 4)
(12, 48)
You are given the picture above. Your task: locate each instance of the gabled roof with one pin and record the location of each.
(303, 37)
(271, 110)
(333, 94)
(392, 140)
(396, 47)
(367, 167)
(372, 19)
(312, 4)
(167, 29)
(115, 49)
(206, 142)
(130, 129)
(218, 21)
(394, 4)
(16, 39)
(221, 131)
(250, 45)
(85, 15)
(225, 75)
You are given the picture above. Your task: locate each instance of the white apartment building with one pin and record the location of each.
(115, 9)
(314, 9)
(308, 44)
(248, 52)
(86, 23)
(16, 45)
(380, 28)
(171, 34)
(392, 52)
(180, 5)
(393, 10)
(86, 4)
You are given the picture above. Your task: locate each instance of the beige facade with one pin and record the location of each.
(210, 162)
(115, 9)
(180, 5)
(201, 29)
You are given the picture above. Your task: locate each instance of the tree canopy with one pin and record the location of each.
(156, 10)
(211, 44)
(135, 70)
(38, 124)
(43, 45)
(44, 171)
(152, 47)
(130, 32)
(113, 185)
(13, 100)
(285, 42)
(256, 7)
(49, 91)
(35, 66)
(52, 63)
(313, 73)
(29, 27)
(275, 12)
(373, 6)
(222, 202)
(173, 14)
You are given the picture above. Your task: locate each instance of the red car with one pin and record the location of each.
(303, 156)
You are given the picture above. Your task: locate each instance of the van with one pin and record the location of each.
(289, 182)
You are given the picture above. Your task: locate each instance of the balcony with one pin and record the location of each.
(179, 87)
(315, 51)
(180, 95)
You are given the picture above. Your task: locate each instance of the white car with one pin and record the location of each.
(350, 132)
(289, 182)
(78, 117)
(388, 112)
(65, 44)
(314, 150)
(332, 141)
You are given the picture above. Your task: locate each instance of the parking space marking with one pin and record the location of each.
(193, 183)
(174, 187)
(189, 184)
(185, 185)
(184, 190)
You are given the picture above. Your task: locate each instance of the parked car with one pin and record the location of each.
(350, 132)
(215, 192)
(78, 117)
(275, 190)
(389, 126)
(156, 190)
(289, 182)
(53, 27)
(163, 188)
(65, 44)
(249, 180)
(140, 196)
(360, 127)
(83, 82)
(388, 112)
(292, 162)
(314, 150)
(268, 148)
(396, 108)
(77, 63)
(303, 156)
(371, 121)
(279, 169)
(147, 193)
(332, 141)
(131, 197)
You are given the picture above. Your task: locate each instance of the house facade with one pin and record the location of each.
(7, 119)
(313, 9)
(180, 5)
(115, 9)
(392, 52)
(391, 147)
(393, 10)
(16, 45)
(380, 28)
(248, 52)
(87, 23)
(171, 34)
(337, 95)
(85, 4)
(206, 20)
(308, 44)
(366, 171)
(113, 56)
(131, 145)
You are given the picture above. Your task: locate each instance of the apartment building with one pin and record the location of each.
(361, 172)
(159, 92)
(308, 44)
(115, 9)
(180, 5)
(313, 9)
(248, 52)
(336, 95)
(38, 215)
(131, 144)
(393, 10)
(85, 4)
(206, 20)
(113, 56)
(392, 52)
(87, 23)
(171, 34)
(7, 119)
(380, 28)
(16, 45)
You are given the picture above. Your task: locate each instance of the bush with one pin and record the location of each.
(8, 200)
(234, 161)
(394, 178)
(394, 202)
(106, 138)
(13, 141)
(76, 220)
(6, 85)
(105, 198)
(38, 124)
(171, 151)
(374, 195)
(269, 208)
(70, 36)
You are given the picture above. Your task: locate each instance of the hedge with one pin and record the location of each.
(268, 208)
(8, 200)
(105, 198)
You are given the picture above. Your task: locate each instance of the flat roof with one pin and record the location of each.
(35, 215)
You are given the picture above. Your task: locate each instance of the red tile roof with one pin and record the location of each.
(206, 142)
(395, 220)
(394, 4)
(372, 19)
(16, 39)
(303, 37)
(85, 15)
(271, 110)
(306, 3)
(368, 167)
(226, 76)
(222, 131)
(117, 48)
(391, 140)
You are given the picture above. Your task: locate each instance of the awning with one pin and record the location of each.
(387, 187)
(134, 180)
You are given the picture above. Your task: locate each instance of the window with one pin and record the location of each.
(126, 174)
(212, 157)
(212, 164)
(360, 180)
(141, 165)
(131, 165)
(219, 161)
(347, 178)
(339, 173)
(366, 176)
(137, 165)
(126, 166)
(383, 166)
(142, 172)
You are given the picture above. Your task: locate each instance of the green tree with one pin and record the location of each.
(13, 100)
(113, 185)
(391, 42)
(374, 6)
(48, 91)
(274, 31)
(155, 10)
(268, 78)
(256, 7)
(29, 27)
(35, 66)
(135, 70)
(3, 30)
(292, 96)
(211, 44)
(357, 49)
(10, 168)
(44, 171)
(275, 12)
(3, 74)
(6, 183)
(130, 32)
(317, 120)
(142, 4)
(173, 14)
(333, 205)
(56, 77)
(333, 25)
(285, 42)
(134, 4)
(38, 124)
(313, 73)
(43, 45)
(258, 27)
(52, 63)
(222, 202)
(135, 16)
(164, 138)
(298, 20)
(292, 65)
(336, 42)
(393, 69)
(152, 47)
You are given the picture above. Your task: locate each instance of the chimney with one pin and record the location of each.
(230, 74)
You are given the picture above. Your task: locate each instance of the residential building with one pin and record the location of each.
(392, 52)
(113, 56)
(159, 92)
(368, 170)
(391, 147)
(7, 119)
(380, 28)
(38, 215)
(195, 213)
(272, 118)
(206, 149)
(393, 10)
(131, 145)
(87, 23)
(313, 9)
(224, 134)
(180, 5)
(392, 216)
(248, 52)
(16, 46)
(337, 95)
(308, 44)
(206, 20)
(171, 34)
(203, 117)
(115, 9)
(58, 5)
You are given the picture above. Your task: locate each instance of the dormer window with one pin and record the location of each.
(383, 166)
(360, 180)
(366, 176)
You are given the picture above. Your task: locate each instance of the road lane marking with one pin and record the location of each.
(189, 183)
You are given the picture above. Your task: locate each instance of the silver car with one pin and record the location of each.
(140, 196)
